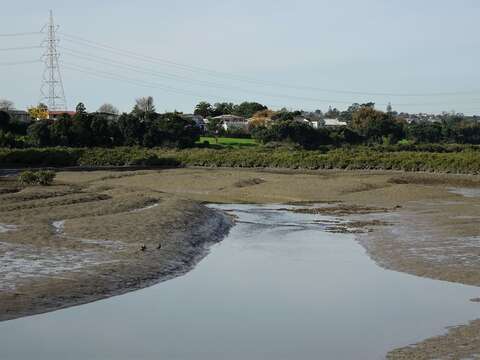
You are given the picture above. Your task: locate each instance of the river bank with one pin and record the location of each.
(70, 244)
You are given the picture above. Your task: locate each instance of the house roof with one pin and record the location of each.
(60, 112)
(334, 122)
(228, 118)
(16, 112)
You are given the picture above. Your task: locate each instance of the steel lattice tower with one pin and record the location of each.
(52, 91)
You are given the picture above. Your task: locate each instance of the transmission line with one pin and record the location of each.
(141, 70)
(21, 48)
(21, 34)
(115, 76)
(187, 92)
(19, 62)
(131, 54)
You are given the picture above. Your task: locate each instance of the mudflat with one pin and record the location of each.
(107, 232)
(70, 244)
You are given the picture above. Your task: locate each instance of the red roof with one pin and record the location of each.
(57, 112)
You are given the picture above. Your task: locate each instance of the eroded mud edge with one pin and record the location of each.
(187, 248)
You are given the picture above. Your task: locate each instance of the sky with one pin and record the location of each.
(421, 56)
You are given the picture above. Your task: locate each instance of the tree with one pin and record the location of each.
(131, 129)
(100, 129)
(203, 109)
(81, 128)
(61, 132)
(6, 105)
(108, 109)
(81, 109)
(389, 108)
(424, 132)
(294, 132)
(284, 114)
(39, 112)
(223, 108)
(177, 131)
(214, 126)
(4, 120)
(144, 107)
(247, 109)
(261, 118)
(39, 133)
(376, 126)
(332, 113)
(346, 115)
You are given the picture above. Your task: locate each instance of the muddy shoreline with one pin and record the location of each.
(154, 253)
(438, 238)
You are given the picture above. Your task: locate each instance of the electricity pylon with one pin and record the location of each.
(52, 91)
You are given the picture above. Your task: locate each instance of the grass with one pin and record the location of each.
(228, 142)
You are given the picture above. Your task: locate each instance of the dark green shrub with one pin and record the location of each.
(40, 177)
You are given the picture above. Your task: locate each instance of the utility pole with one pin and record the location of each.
(52, 91)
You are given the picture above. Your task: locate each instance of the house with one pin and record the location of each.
(316, 124)
(314, 121)
(233, 122)
(334, 122)
(19, 115)
(198, 119)
(107, 115)
(56, 114)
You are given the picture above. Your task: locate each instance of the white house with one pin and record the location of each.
(334, 122)
(233, 122)
(314, 122)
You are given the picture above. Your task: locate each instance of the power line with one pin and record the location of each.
(141, 70)
(21, 34)
(149, 84)
(131, 54)
(108, 61)
(115, 76)
(19, 62)
(150, 72)
(111, 76)
(21, 48)
(103, 76)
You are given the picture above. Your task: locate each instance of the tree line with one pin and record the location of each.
(142, 127)
(367, 125)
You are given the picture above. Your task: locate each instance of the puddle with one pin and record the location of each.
(466, 192)
(59, 226)
(6, 228)
(145, 208)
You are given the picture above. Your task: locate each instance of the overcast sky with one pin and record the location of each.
(304, 54)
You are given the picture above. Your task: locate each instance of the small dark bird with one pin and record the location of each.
(159, 246)
(143, 247)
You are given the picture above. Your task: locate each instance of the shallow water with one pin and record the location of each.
(278, 287)
(466, 192)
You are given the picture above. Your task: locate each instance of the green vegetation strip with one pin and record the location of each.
(464, 162)
(226, 141)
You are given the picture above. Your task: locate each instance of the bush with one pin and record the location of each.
(40, 157)
(408, 157)
(41, 177)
